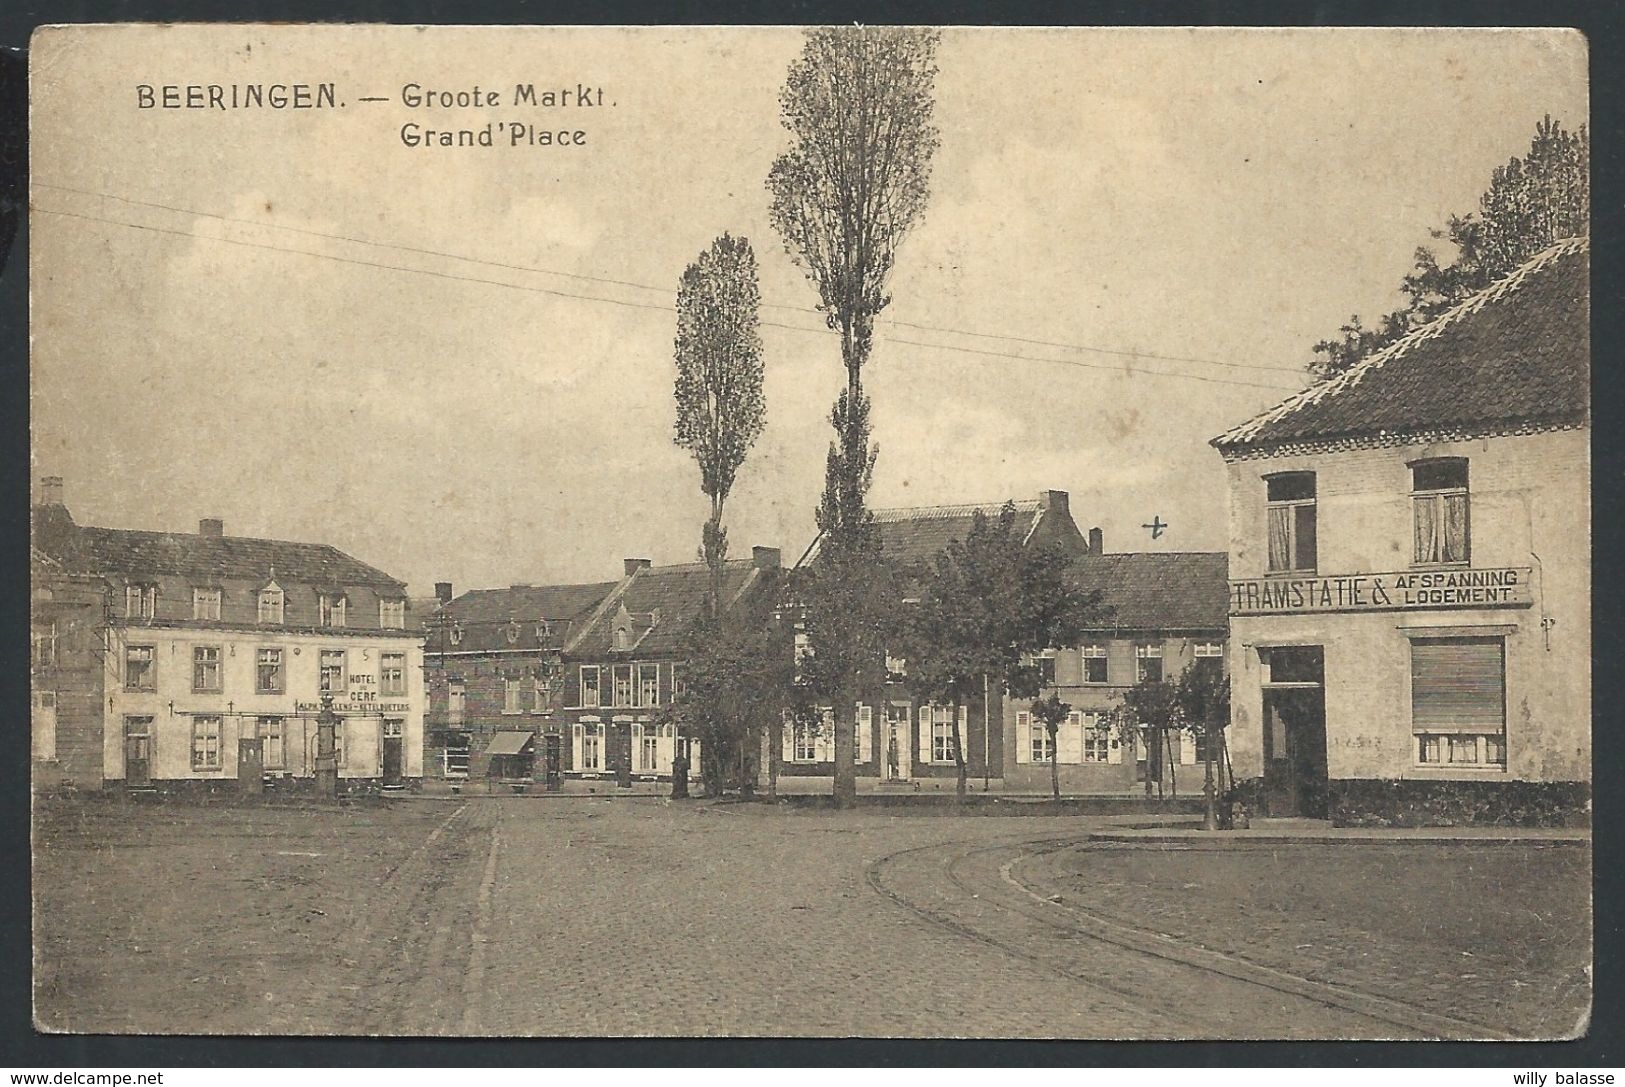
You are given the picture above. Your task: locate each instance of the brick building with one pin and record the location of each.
(577, 674)
(214, 654)
(1163, 611)
(898, 739)
(1410, 551)
(66, 667)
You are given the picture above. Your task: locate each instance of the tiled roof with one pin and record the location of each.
(136, 554)
(663, 602)
(483, 616)
(1515, 356)
(1178, 590)
(916, 534)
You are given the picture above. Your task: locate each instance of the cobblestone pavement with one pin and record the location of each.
(606, 917)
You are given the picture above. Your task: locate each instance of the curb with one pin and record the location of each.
(1234, 840)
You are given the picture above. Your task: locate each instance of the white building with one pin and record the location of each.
(216, 652)
(1410, 611)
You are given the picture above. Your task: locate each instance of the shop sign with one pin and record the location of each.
(1406, 590)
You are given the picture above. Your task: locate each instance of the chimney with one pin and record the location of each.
(211, 526)
(632, 566)
(442, 592)
(765, 558)
(50, 491)
(1097, 541)
(1054, 501)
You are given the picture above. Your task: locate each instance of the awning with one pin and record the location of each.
(509, 743)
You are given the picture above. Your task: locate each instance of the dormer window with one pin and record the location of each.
(621, 638)
(1439, 511)
(456, 633)
(271, 603)
(392, 614)
(206, 604)
(331, 609)
(140, 601)
(513, 633)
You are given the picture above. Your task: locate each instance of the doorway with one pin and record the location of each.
(1295, 770)
(394, 752)
(898, 764)
(619, 753)
(251, 764)
(137, 752)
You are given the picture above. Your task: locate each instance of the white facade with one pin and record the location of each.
(202, 691)
(1527, 538)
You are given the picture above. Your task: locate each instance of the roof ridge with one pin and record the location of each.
(960, 509)
(1320, 390)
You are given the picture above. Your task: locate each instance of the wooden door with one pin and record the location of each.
(394, 751)
(619, 755)
(899, 718)
(250, 764)
(137, 751)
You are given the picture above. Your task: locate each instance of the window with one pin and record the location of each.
(273, 743)
(1439, 507)
(896, 669)
(330, 610)
(206, 668)
(341, 754)
(648, 684)
(1210, 656)
(621, 638)
(271, 600)
(42, 642)
(1038, 736)
(943, 739)
(268, 671)
(1097, 738)
(206, 604)
(392, 614)
(510, 695)
(678, 687)
(805, 745)
(205, 742)
(1046, 666)
(394, 728)
(623, 685)
(1458, 701)
(1094, 664)
(589, 685)
(392, 674)
(140, 601)
(648, 751)
(456, 700)
(543, 695)
(1291, 505)
(333, 671)
(592, 747)
(1148, 663)
(138, 668)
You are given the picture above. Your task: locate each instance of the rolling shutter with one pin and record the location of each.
(1458, 685)
(1024, 736)
(925, 733)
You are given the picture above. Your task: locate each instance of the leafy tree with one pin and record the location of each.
(858, 104)
(987, 605)
(1531, 203)
(1051, 712)
(1146, 715)
(1204, 707)
(720, 406)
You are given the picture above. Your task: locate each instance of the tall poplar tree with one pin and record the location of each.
(858, 104)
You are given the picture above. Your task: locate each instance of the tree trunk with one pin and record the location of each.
(775, 750)
(1210, 816)
(846, 770)
(1054, 763)
(963, 775)
(1168, 753)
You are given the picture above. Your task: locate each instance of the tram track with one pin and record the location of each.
(1185, 991)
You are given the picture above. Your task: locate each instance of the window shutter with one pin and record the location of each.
(1114, 748)
(1458, 685)
(1024, 736)
(824, 742)
(866, 740)
(925, 733)
(575, 746)
(788, 736)
(1069, 739)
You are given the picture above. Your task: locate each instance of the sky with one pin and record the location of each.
(268, 317)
